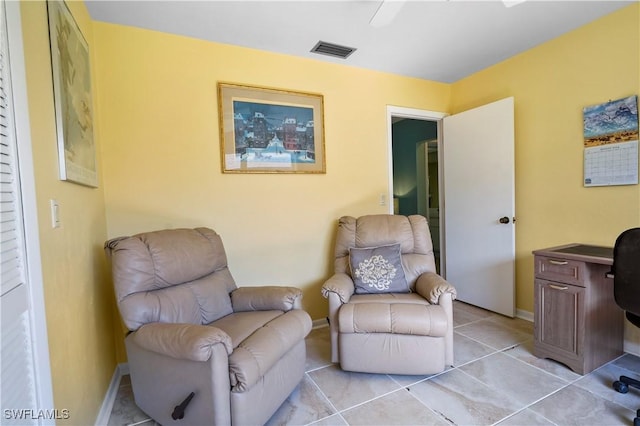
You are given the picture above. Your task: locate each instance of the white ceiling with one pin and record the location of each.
(437, 40)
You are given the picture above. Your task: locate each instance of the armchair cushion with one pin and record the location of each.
(341, 284)
(378, 269)
(266, 298)
(240, 325)
(182, 341)
(254, 356)
(431, 286)
(397, 318)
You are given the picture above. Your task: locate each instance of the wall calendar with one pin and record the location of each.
(611, 143)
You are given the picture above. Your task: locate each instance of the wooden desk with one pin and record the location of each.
(576, 319)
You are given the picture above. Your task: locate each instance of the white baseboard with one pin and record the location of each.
(319, 323)
(112, 392)
(525, 315)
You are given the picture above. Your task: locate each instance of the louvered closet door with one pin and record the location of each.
(17, 379)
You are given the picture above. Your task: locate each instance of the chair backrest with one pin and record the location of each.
(626, 269)
(411, 232)
(172, 276)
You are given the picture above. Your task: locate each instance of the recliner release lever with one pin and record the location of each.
(178, 411)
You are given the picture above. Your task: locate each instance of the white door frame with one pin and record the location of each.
(44, 388)
(426, 115)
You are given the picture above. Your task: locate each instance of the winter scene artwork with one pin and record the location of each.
(270, 131)
(611, 143)
(266, 133)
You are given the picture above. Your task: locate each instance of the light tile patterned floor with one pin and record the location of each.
(495, 380)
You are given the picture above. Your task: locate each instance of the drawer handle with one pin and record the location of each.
(558, 262)
(558, 287)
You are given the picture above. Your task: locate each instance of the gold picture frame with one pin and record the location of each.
(72, 97)
(267, 130)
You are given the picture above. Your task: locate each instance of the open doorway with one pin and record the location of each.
(415, 172)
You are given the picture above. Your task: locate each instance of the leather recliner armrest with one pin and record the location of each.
(431, 286)
(182, 341)
(341, 284)
(266, 298)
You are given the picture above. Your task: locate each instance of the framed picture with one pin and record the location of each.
(265, 130)
(72, 97)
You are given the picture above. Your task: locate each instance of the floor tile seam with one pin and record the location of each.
(493, 322)
(611, 401)
(514, 329)
(437, 413)
(410, 384)
(477, 380)
(504, 348)
(566, 382)
(518, 341)
(506, 352)
(526, 405)
(319, 367)
(401, 388)
(333, 407)
(597, 395)
(324, 418)
(612, 362)
(522, 410)
(472, 309)
(487, 345)
(474, 360)
(421, 380)
(140, 422)
(468, 323)
(550, 394)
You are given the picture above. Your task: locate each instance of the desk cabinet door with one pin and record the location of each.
(559, 323)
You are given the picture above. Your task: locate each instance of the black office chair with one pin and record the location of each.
(626, 289)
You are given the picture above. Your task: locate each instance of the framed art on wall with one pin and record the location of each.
(265, 130)
(72, 97)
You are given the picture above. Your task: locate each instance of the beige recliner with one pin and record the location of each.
(389, 312)
(200, 350)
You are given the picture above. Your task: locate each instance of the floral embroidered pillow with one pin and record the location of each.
(378, 269)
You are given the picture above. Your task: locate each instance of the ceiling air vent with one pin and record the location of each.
(324, 48)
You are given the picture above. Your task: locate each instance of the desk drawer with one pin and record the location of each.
(559, 269)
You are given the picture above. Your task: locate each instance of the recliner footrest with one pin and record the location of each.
(395, 318)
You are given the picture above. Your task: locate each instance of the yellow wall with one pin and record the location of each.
(78, 298)
(161, 151)
(551, 84)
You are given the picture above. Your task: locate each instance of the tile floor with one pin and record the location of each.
(495, 380)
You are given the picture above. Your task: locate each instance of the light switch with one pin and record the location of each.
(55, 213)
(383, 199)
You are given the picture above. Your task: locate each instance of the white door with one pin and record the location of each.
(25, 392)
(478, 165)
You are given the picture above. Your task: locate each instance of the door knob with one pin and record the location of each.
(504, 220)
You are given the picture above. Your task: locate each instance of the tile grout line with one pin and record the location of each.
(333, 407)
(437, 413)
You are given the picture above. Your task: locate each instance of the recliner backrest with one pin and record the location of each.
(411, 232)
(171, 276)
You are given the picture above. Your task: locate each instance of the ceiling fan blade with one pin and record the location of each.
(387, 10)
